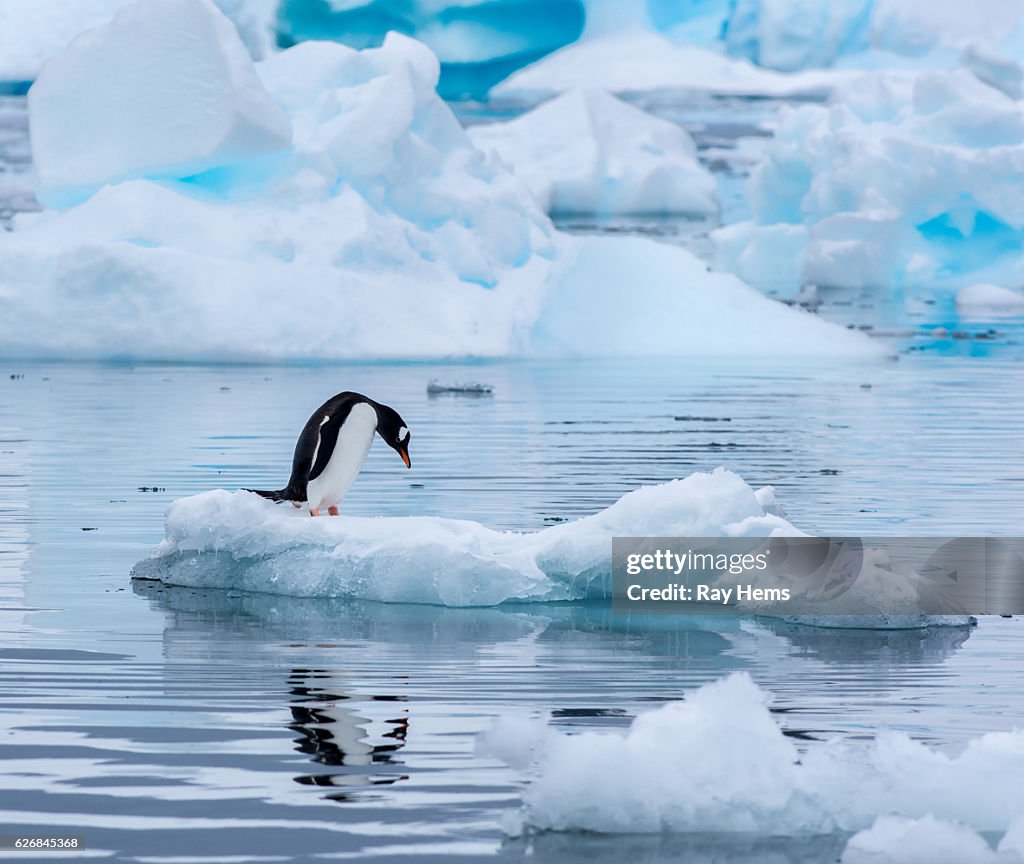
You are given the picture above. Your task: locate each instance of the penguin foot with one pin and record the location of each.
(334, 511)
(315, 511)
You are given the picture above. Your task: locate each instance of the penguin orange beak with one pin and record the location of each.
(405, 457)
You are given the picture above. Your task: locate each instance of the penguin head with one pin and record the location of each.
(393, 429)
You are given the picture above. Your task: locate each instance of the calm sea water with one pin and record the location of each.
(171, 725)
(176, 725)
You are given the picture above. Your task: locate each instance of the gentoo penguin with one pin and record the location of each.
(332, 447)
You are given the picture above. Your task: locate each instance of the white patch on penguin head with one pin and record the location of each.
(326, 418)
(403, 433)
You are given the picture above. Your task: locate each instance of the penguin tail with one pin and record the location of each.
(274, 495)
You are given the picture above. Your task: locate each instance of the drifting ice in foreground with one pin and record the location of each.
(239, 541)
(719, 762)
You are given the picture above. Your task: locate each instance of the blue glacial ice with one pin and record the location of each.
(379, 231)
(848, 194)
(719, 762)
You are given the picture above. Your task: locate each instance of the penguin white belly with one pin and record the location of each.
(350, 451)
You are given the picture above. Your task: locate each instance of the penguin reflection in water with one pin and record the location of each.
(332, 447)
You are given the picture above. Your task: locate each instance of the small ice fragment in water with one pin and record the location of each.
(463, 388)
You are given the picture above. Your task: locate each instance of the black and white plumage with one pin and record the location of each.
(332, 447)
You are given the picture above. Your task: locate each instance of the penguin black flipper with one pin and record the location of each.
(315, 445)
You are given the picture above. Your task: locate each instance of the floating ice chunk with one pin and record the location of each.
(718, 762)
(989, 300)
(459, 388)
(239, 540)
(853, 184)
(898, 840)
(164, 89)
(589, 152)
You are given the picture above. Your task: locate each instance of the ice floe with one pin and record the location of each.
(848, 194)
(719, 762)
(588, 152)
(238, 540)
(380, 232)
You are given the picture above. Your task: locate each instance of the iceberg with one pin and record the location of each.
(209, 112)
(719, 762)
(380, 231)
(789, 35)
(987, 301)
(478, 42)
(641, 60)
(846, 195)
(589, 152)
(627, 296)
(240, 541)
(33, 31)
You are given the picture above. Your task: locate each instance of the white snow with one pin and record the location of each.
(719, 762)
(163, 89)
(380, 232)
(33, 31)
(902, 181)
(589, 152)
(238, 540)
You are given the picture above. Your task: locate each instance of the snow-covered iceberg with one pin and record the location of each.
(241, 541)
(719, 762)
(903, 181)
(380, 232)
(589, 152)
